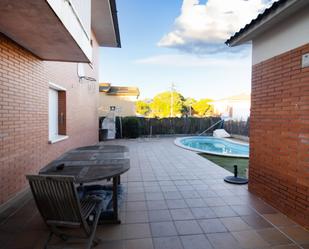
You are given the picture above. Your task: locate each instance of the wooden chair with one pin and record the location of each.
(59, 205)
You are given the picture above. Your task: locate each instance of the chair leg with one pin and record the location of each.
(96, 241)
(94, 228)
(59, 233)
(48, 239)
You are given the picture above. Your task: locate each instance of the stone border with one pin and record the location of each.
(177, 142)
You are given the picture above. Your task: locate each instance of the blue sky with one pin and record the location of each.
(180, 42)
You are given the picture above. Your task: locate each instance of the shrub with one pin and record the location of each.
(131, 127)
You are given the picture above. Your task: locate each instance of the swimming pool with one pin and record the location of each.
(214, 146)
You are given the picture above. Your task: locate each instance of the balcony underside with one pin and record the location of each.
(35, 26)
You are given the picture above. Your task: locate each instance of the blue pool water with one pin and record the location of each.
(216, 146)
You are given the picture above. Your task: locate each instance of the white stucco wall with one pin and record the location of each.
(237, 110)
(285, 36)
(70, 19)
(125, 105)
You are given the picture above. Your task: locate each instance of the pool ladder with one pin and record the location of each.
(221, 120)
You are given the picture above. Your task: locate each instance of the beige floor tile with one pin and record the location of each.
(195, 242)
(214, 201)
(157, 205)
(186, 227)
(255, 221)
(138, 244)
(135, 231)
(250, 239)
(300, 235)
(136, 206)
(235, 224)
(109, 232)
(163, 229)
(223, 241)
(279, 219)
(291, 246)
(181, 214)
(273, 236)
(111, 245)
(203, 213)
(196, 202)
(212, 226)
(167, 243)
(223, 211)
(136, 217)
(173, 204)
(159, 215)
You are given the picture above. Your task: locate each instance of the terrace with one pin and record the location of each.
(175, 199)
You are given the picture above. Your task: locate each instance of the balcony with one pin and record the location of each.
(59, 30)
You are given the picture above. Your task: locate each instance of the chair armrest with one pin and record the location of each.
(93, 198)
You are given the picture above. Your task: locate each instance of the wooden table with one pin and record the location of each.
(91, 164)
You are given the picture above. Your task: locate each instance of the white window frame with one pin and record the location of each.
(57, 138)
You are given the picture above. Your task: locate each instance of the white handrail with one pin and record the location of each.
(221, 120)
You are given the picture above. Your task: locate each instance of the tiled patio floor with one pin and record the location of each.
(175, 200)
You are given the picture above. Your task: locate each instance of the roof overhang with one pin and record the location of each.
(104, 87)
(104, 22)
(35, 26)
(132, 92)
(272, 16)
(108, 89)
(52, 29)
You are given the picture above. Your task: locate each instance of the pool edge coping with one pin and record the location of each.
(179, 144)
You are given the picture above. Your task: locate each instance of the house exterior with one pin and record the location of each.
(236, 107)
(120, 99)
(49, 60)
(279, 126)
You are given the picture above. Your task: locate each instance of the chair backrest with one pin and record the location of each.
(57, 200)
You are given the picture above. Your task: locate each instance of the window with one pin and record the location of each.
(56, 113)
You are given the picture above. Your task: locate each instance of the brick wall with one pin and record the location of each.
(279, 134)
(24, 83)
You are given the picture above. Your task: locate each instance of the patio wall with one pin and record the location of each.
(24, 84)
(279, 134)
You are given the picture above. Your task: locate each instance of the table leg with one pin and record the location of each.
(119, 182)
(115, 199)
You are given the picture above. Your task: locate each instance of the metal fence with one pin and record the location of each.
(133, 127)
(237, 127)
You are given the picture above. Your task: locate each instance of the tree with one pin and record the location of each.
(203, 107)
(188, 103)
(161, 105)
(142, 107)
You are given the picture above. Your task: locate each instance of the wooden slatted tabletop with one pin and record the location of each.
(91, 163)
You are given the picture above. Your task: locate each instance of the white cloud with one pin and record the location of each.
(188, 60)
(203, 28)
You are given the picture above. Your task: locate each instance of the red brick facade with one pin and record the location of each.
(24, 84)
(279, 134)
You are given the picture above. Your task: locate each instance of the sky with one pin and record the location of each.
(181, 42)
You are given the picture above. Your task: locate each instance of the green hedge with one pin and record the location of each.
(133, 127)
